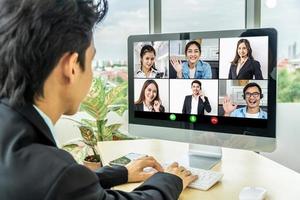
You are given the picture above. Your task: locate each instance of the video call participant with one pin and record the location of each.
(46, 52)
(194, 67)
(197, 102)
(147, 59)
(252, 94)
(243, 65)
(149, 99)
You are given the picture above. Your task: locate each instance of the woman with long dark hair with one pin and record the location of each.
(147, 59)
(244, 66)
(149, 99)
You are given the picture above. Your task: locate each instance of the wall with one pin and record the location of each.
(288, 136)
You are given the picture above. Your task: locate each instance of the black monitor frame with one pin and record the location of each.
(242, 126)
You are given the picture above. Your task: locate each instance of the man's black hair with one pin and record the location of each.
(35, 34)
(252, 84)
(197, 82)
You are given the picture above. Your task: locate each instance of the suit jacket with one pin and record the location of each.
(250, 68)
(187, 105)
(32, 167)
(140, 107)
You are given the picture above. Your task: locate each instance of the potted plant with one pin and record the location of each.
(91, 161)
(103, 98)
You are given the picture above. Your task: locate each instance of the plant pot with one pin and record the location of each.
(91, 163)
(114, 137)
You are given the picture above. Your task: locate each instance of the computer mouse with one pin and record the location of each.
(252, 193)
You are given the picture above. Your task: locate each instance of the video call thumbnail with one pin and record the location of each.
(244, 58)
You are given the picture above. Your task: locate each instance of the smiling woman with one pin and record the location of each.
(149, 99)
(243, 65)
(147, 61)
(194, 67)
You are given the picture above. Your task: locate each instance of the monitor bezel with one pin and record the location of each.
(269, 132)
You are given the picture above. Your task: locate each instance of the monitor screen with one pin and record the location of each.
(219, 81)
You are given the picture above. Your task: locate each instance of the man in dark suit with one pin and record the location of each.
(46, 52)
(197, 102)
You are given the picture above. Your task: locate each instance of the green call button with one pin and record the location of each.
(193, 118)
(173, 117)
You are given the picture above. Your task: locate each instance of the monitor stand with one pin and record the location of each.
(203, 156)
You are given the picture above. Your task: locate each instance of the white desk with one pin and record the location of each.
(241, 168)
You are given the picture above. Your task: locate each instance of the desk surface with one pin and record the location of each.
(240, 167)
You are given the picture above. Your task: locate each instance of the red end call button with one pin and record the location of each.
(214, 120)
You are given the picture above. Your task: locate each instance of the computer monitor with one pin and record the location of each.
(211, 88)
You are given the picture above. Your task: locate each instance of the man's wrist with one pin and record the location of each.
(226, 114)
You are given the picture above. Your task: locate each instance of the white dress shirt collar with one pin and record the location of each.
(48, 122)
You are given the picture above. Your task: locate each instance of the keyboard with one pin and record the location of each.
(206, 178)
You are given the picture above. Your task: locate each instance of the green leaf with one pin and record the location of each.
(88, 135)
(89, 123)
(70, 147)
(103, 97)
(114, 94)
(113, 127)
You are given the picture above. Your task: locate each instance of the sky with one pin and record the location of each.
(126, 18)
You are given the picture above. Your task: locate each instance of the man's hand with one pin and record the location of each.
(228, 106)
(201, 95)
(136, 171)
(186, 176)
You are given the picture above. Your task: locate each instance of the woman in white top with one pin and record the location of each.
(149, 99)
(147, 57)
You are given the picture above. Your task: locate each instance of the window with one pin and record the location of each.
(110, 63)
(196, 15)
(284, 16)
(123, 19)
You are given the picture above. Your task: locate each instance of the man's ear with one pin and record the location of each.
(70, 66)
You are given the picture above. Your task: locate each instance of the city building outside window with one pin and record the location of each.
(284, 16)
(124, 18)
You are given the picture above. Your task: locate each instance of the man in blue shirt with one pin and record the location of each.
(252, 95)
